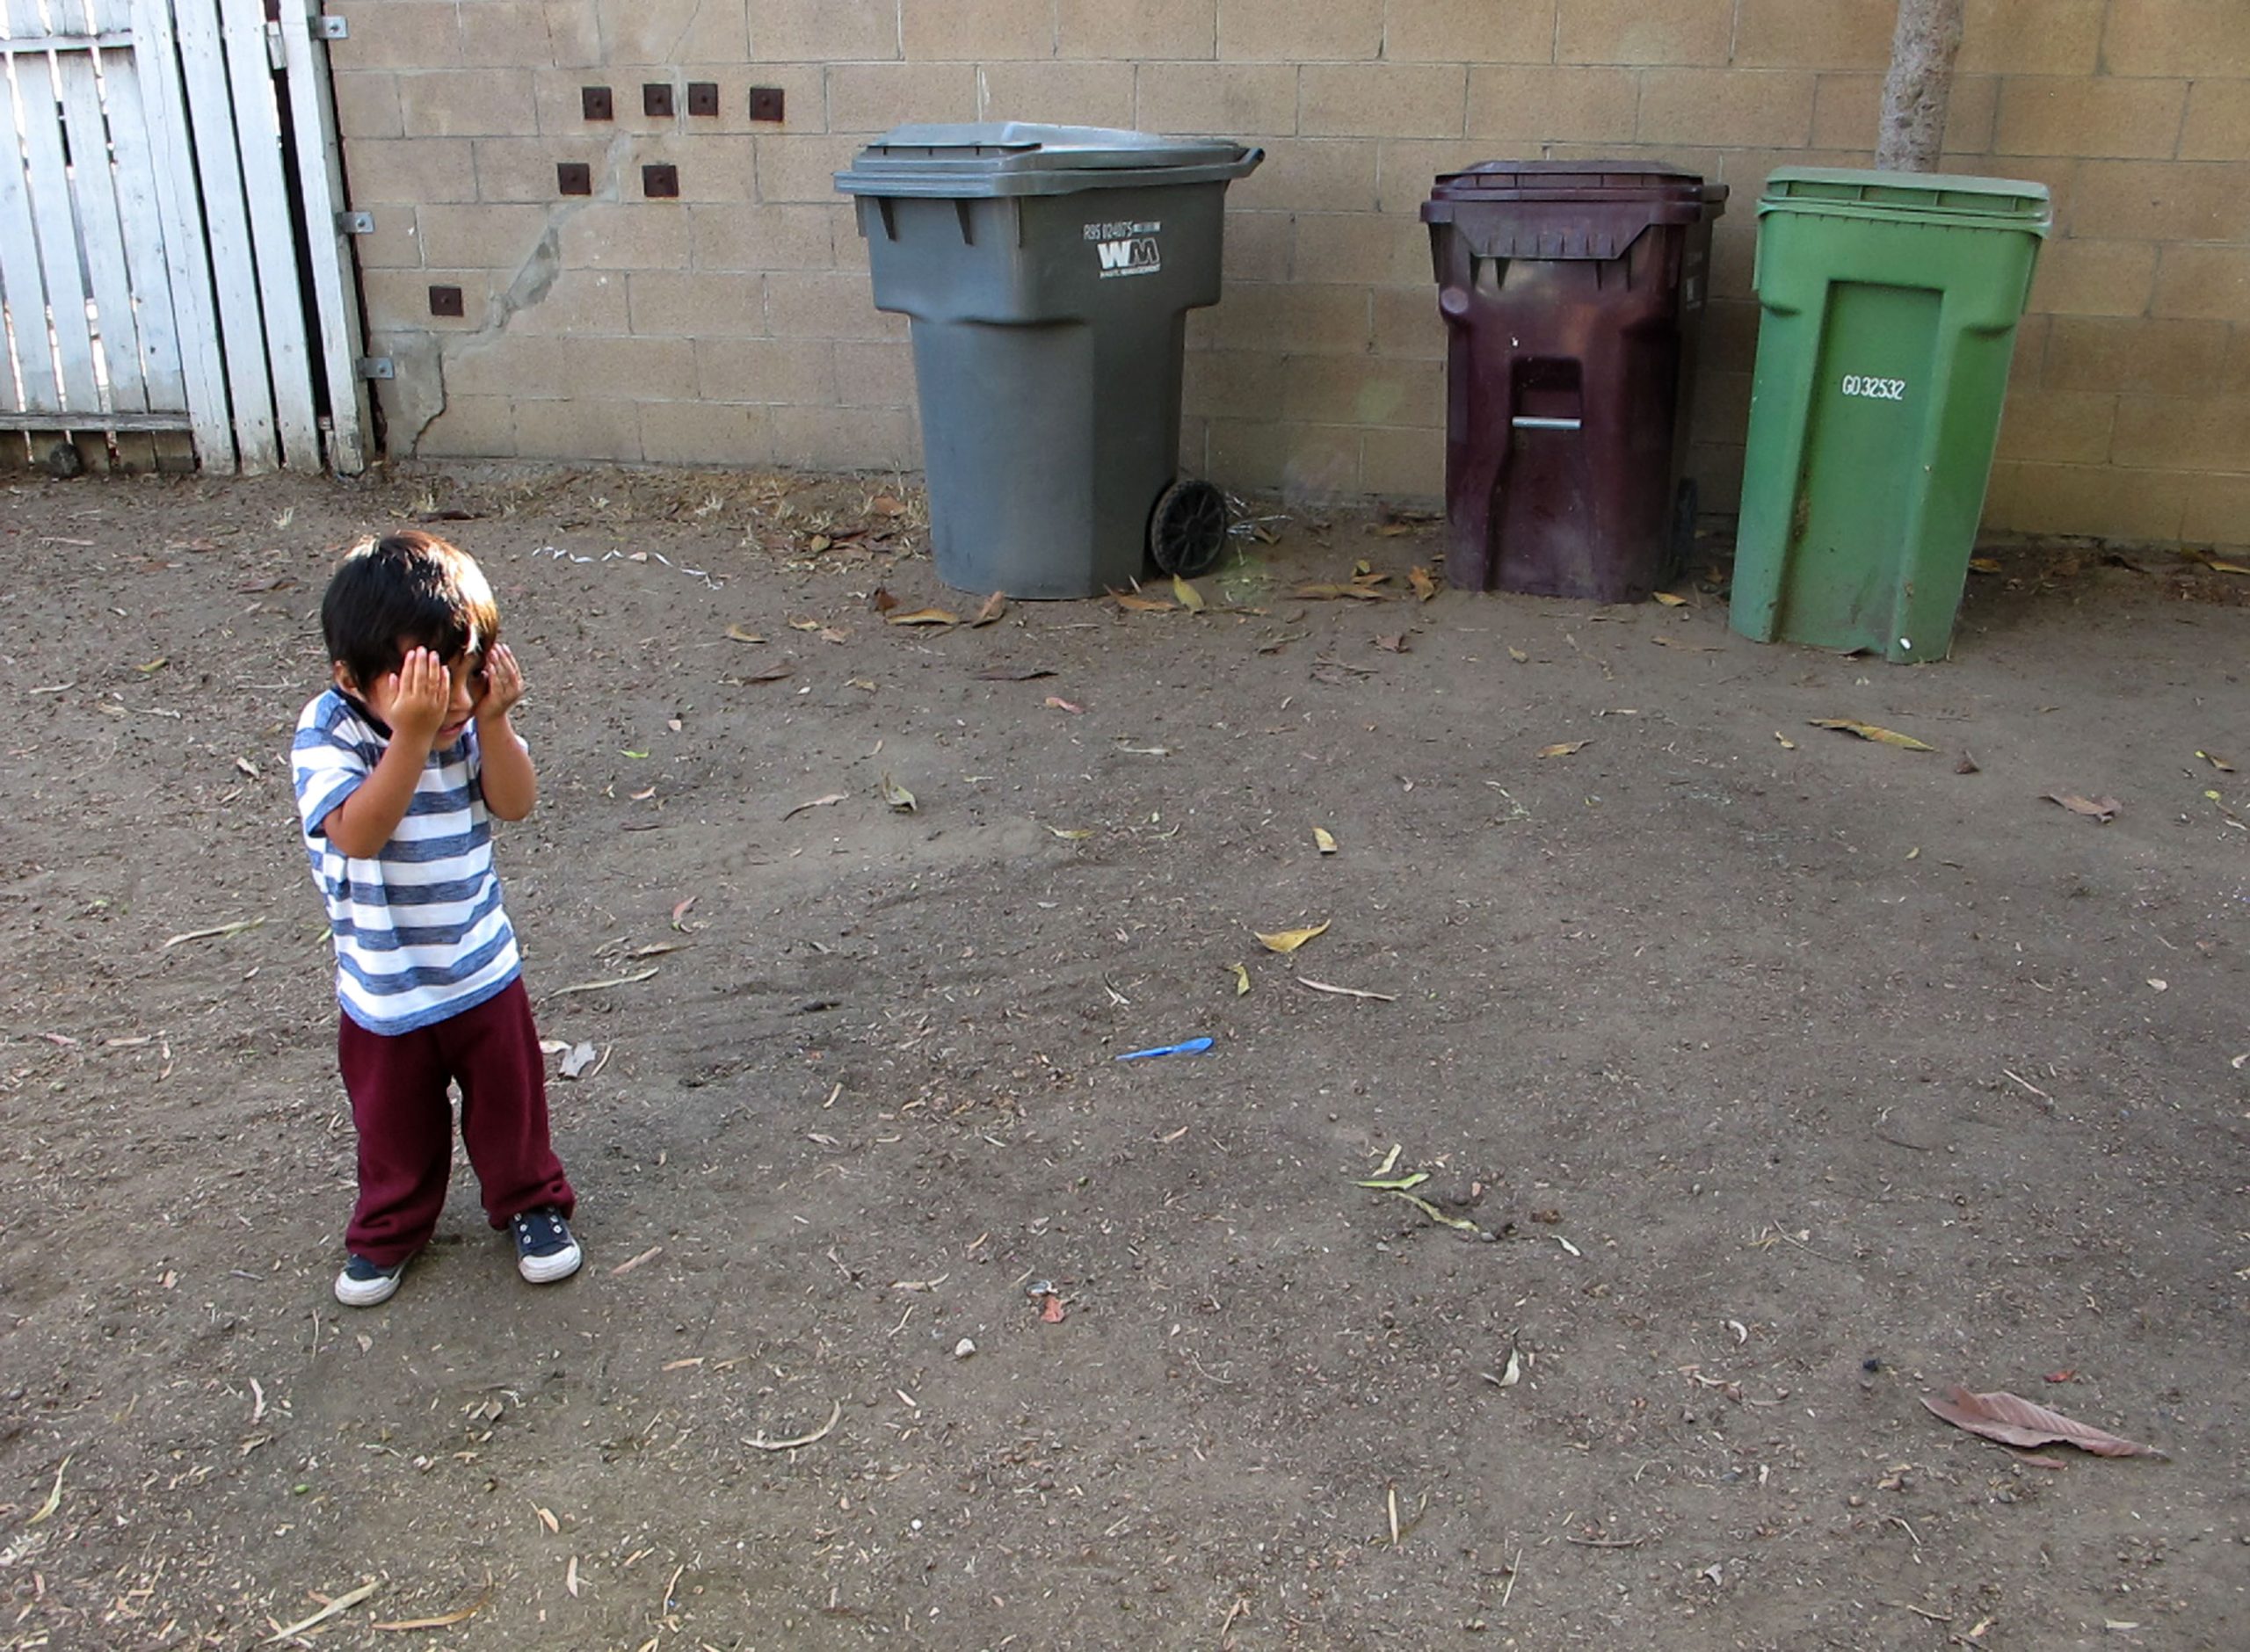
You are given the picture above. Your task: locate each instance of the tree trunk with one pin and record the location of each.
(1921, 82)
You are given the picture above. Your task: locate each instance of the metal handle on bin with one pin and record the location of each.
(1533, 422)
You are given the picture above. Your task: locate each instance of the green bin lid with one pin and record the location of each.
(1018, 157)
(1995, 203)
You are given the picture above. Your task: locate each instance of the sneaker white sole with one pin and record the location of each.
(546, 1269)
(364, 1292)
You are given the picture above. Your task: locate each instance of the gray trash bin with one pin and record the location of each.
(1048, 271)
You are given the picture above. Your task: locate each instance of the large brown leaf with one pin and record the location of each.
(2013, 1421)
(2095, 809)
(1866, 731)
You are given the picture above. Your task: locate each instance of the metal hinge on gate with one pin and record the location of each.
(355, 223)
(277, 55)
(375, 367)
(334, 28)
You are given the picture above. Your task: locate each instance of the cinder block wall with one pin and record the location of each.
(732, 324)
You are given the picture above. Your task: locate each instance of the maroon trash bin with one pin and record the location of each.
(1573, 293)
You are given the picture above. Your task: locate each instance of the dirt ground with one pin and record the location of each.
(1781, 1078)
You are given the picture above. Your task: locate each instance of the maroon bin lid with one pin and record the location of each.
(1567, 209)
(1594, 182)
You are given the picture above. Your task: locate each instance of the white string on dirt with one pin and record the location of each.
(561, 556)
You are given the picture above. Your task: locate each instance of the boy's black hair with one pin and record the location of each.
(403, 591)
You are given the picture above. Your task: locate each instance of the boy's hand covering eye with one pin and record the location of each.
(421, 690)
(502, 682)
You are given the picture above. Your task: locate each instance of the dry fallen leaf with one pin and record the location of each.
(923, 617)
(54, 1497)
(1346, 992)
(1057, 703)
(1241, 979)
(581, 1056)
(1331, 593)
(1142, 604)
(1289, 940)
(2220, 763)
(2013, 1421)
(804, 625)
(1074, 834)
(1671, 601)
(443, 1620)
(1518, 656)
(1051, 1310)
(1396, 644)
(1322, 841)
(1984, 565)
(679, 912)
(881, 600)
(1190, 598)
(1869, 731)
(772, 673)
(335, 1608)
(1424, 586)
(1563, 748)
(995, 605)
(897, 796)
(1967, 765)
(1012, 673)
(2097, 808)
(1787, 744)
(817, 802)
(884, 505)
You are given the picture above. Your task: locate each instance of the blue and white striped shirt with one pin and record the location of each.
(420, 931)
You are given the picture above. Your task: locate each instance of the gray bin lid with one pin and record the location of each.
(1017, 157)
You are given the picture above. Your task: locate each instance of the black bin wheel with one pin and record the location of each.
(1187, 530)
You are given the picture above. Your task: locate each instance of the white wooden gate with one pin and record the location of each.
(176, 281)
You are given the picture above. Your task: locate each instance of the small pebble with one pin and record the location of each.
(962, 1348)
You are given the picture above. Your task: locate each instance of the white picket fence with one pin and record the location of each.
(172, 265)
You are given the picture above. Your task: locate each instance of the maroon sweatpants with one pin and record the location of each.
(397, 1086)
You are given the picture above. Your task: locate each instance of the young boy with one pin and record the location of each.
(400, 767)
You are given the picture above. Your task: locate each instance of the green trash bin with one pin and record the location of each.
(1888, 306)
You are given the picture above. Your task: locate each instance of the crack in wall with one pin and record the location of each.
(686, 29)
(533, 279)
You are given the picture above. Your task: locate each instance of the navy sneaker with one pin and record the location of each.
(363, 1284)
(545, 1251)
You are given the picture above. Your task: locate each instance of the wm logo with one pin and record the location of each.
(1138, 256)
